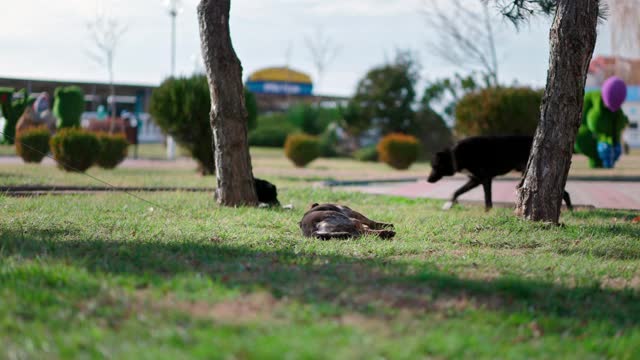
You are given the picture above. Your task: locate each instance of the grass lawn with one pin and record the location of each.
(270, 164)
(95, 276)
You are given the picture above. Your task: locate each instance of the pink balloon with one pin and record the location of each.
(614, 92)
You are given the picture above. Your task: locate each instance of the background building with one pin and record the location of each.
(277, 88)
(130, 98)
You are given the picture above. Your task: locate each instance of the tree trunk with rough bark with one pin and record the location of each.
(572, 39)
(229, 118)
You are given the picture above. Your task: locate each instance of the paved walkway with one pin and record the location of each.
(600, 194)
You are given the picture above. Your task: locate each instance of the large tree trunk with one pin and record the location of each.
(228, 113)
(572, 39)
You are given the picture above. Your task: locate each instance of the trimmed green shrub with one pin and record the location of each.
(398, 150)
(181, 107)
(113, 150)
(272, 131)
(32, 144)
(499, 111)
(68, 106)
(369, 153)
(302, 149)
(75, 149)
(12, 109)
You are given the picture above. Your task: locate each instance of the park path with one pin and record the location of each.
(600, 194)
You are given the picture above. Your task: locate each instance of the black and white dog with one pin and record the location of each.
(483, 158)
(333, 221)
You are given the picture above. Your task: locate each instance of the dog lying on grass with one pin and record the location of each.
(483, 158)
(331, 221)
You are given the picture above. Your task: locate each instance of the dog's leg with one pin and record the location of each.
(472, 183)
(363, 219)
(332, 235)
(383, 234)
(488, 203)
(379, 226)
(567, 200)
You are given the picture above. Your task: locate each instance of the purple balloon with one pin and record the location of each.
(614, 92)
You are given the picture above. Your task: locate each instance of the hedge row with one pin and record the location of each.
(74, 149)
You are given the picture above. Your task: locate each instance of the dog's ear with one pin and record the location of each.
(313, 205)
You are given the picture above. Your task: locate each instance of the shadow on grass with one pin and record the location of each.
(365, 285)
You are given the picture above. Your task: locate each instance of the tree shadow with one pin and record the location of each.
(349, 283)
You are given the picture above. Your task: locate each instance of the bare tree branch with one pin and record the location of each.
(465, 36)
(322, 50)
(105, 33)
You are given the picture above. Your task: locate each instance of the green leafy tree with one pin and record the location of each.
(445, 93)
(384, 98)
(432, 132)
(181, 108)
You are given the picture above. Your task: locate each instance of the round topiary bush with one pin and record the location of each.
(398, 150)
(302, 149)
(499, 111)
(113, 149)
(32, 144)
(75, 149)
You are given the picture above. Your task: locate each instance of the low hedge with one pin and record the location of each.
(302, 149)
(32, 144)
(398, 150)
(75, 149)
(113, 150)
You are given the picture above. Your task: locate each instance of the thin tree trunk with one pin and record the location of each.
(112, 90)
(572, 39)
(229, 118)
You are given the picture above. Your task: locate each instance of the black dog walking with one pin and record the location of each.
(483, 158)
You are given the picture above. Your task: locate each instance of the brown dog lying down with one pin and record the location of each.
(330, 221)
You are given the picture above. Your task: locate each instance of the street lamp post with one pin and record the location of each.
(173, 8)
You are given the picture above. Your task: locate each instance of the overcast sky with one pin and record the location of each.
(49, 39)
